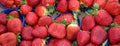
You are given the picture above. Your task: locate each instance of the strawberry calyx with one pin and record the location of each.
(11, 17)
(45, 40)
(18, 37)
(106, 28)
(74, 43)
(47, 13)
(76, 13)
(23, 2)
(114, 25)
(50, 8)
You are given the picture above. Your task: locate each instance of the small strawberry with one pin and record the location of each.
(88, 22)
(74, 5)
(63, 42)
(3, 29)
(91, 44)
(103, 18)
(15, 13)
(26, 43)
(48, 2)
(101, 3)
(83, 38)
(87, 2)
(38, 42)
(25, 9)
(117, 19)
(57, 30)
(31, 18)
(98, 35)
(3, 18)
(32, 3)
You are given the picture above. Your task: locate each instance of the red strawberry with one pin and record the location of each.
(25, 9)
(101, 3)
(117, 19)
(63, 42)
(91, 44)
(2, 18)
(7, 3)
(17, 2)
(87, 2)
(114, 34)
(8, 39)
(57, 30)
(98, 35)
(40, 32)
(50, 2)
(31, 18)
(68, 17)
(74, 5)
(41, 11)
(83, 38)
(72, 31)
(103, 18)
(38, 42)
(26, 43)
(45, 20)
(27, 33)
(3, 29)
(15, 13)
(88, 22)
(64, 5)
(53, 42)
(14, 25)
(32, 3)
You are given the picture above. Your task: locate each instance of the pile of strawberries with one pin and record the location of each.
(100, 21)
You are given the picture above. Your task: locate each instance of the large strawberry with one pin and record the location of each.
(8, 39)
(3, 29)
(83, 38)
(98, 35)
(101, 3)
(38, 42)
(117, 19)
(74, 5)
(32, 3)
(15, 13)
(88, 22)
(103, 18)
(26, 43)
(87, 2)
(63, 42)
(57, 30)
(2, 18)
(25, 9)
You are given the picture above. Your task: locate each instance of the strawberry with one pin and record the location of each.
(83, 38)
(88, 22)
(68, 17)
(63, 42)
(32, 3)
(49, 2)
(25, 9)
(45, 20)
(117, 19)
(57, 30)
(31, 18)
(53, 42)
(40, 32)
(8, 39)
(38, 42)
(2, 18)
(103, 18)
(91, 44)
(17, 2)
(87, 2)
(3, 29)
(74, 5)
(98, 35)
(64, 5)
(41, 11)
(14, 25)
(27, 33)
(7, 3)
(72, 31)
(15, 13)
(101, 3)
(26, 43)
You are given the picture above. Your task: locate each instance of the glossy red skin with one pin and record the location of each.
(31, 18)
(14, 25)
(25, 9)
(8, 39)
(27, 33)
(87, 2)
(50, 2)
(91, 44)
(114, 34)
(74, 5)
(26, 43)
(3, 29)
(3, 18)
(57, 30)
(38, 42)
(15, 13)
(64, 5)
(7, 3)
(113, 10)
(17, 2)
(88, 22)
(117, 19)
(63, 42)
(45, 20)
(83, 38)
(69, 18)
(103, 18)
(98, 35)
(40, 32)
(32, 3)
(53, 42)
(101, 3)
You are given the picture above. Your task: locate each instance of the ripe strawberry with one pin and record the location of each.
(31, 18)
(74, 5)
(41, 11)
(17, 2)
(3, 29)
(88, 22)
(91, 44)
(7, 3)
(2, 18)
(45, 20)
(68, 17)
(40, 32)
(87, 2)
(15, 13)
(32, 3)
(64, 5)
(98, 35)
(8, 39)
(83, 38)
(63, 42)
(53, 42)
(26, 43)
(38, 42)
(101, 3)
(117, 19)
(25, 9)
(14, 25)
(50, 2)
(114, 34)
(103, 18)
(57, 30)
(27, 33)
